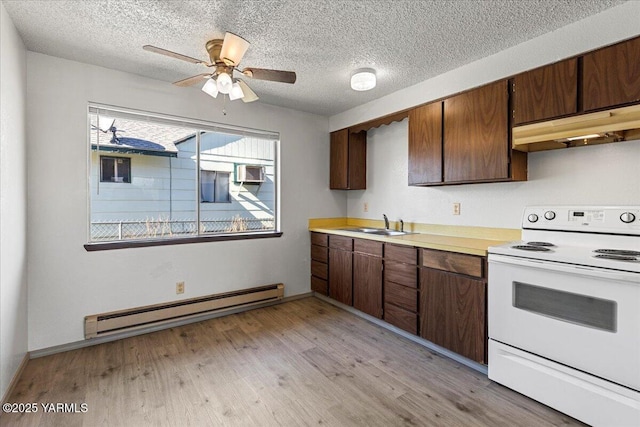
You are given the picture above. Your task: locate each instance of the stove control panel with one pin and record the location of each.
(589, 219)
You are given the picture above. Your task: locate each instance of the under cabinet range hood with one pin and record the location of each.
(600, 127)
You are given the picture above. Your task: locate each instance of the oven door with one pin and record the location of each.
(585, 318)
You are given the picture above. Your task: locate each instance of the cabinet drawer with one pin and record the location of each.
(401, 296)
(320, 253)
(319, 285)
(341, 242)
(319, 269)
(319, 239)
(369, 247)
(453, 262)
(403, 319)
(404, 274)
(406, 254)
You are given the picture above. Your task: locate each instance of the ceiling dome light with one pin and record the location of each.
(224, 83)
(210, 87)
(363, 79)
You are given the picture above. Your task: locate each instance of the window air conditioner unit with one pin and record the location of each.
(250, 174)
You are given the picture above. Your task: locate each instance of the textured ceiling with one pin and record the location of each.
(322, 41)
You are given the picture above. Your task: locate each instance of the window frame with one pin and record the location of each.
(198, 126)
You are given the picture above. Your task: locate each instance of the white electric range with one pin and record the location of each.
(564, 312)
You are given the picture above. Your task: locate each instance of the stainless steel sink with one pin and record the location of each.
(388, 232)
(376, 231)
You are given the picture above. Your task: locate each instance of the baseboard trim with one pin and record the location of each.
(483, 369)
(104, 339)
(16, 377)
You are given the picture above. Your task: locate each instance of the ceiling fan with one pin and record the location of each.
(225, 55)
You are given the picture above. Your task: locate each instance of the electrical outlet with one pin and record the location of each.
(365, 207)
(456, 208)
(179, 288)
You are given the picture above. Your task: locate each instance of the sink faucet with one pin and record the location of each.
(386, 221)
(401, 225)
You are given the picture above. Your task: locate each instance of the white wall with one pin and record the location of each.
(66, 282)
(13, 202)
(605, 174)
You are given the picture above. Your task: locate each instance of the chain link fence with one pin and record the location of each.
(164, 228)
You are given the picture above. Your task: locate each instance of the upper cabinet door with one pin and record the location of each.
(425, 144)
(476, 136)
(348, 160)
(612, 76)
(339, 161)
(546, 92)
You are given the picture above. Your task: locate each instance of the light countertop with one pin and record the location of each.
(461, 239)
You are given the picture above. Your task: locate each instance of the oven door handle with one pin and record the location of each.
(603, 273)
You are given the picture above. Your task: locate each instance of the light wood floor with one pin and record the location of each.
(304, 362)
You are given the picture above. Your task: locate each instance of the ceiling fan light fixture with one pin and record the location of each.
(224, 83)
(363, 79)
(236, 92)
(233, 49)
(211, 87)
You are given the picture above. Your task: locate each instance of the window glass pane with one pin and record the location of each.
(222, 187)
(107, 169)
(123, 170)
(179, 173)
(207, 186)
(242, 204)
(159, 202)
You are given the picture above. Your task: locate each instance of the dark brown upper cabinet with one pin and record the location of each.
(476, 135)
(425, 144)
(611, 76)
(348, 161)
(464, 139)
(546, 92)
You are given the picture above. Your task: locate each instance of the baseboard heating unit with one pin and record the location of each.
(141, 317)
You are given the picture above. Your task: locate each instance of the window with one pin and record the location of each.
(214, 187)
(186, 185)
(115, 169)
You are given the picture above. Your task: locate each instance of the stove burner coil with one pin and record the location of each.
(617, 257)
(531, 248)
(622, 252)
(546, 244)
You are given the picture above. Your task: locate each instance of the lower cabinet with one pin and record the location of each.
(367, 277)
(319, 263)
(442, 297)
(367, 284)
(453, 312)
(341, 269)
(401, 287)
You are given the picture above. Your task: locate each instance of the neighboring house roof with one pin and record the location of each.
(141, 137)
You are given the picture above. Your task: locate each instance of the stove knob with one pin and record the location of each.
(627, 217)
(532, 217)
(549, 215)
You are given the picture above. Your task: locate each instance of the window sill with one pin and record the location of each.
(127, 244)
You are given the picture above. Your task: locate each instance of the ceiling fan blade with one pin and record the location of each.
(175, 55)
(192, 80)
(249, 95)
(271, 75)
(233, 49)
